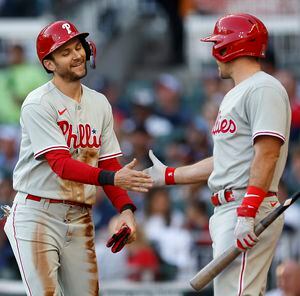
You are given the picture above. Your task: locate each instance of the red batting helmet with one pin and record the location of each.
(237, 35)
(58, 33)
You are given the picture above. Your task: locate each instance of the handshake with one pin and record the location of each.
(125, 230)
(157, 175)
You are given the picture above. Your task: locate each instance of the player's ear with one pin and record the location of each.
(49, 64)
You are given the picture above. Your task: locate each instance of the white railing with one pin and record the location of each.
(116, 288)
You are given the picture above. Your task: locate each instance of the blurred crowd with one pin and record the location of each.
(163, 115)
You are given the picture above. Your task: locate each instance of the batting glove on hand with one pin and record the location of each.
(160, 173)
(244, 233)
(119, 239)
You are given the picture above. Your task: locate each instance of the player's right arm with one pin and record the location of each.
(190, 174)
(62, 163)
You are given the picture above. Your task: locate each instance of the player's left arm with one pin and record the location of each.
(266, 154)
(269, 118)
(120, 200)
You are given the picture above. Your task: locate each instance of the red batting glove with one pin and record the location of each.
(119, 239)
(246, 212)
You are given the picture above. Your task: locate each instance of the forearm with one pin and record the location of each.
(194, 173)
(266, 154)
(262, 171)
(118, 197)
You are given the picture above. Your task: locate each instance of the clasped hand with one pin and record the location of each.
(244, 233)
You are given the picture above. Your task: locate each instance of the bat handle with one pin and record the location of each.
(211, 270)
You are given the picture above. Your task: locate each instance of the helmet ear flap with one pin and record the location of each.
(90, 50)
(93, 52)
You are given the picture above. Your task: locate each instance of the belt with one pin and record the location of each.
(225, 196)
(51, 200)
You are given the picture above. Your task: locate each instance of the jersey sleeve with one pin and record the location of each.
(109, 143)
(268, 112)
(42, 129)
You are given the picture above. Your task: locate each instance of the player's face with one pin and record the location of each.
(224, 69)
(70, 61)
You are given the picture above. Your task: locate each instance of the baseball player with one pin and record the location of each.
(250, 135)
(68, 148)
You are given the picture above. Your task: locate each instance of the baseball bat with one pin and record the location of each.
(212, 269)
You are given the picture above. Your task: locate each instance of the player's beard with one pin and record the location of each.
(223, 72)
(69, 75)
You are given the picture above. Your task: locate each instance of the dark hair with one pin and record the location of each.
(149, 201)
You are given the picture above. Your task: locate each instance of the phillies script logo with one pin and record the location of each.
(224, 126)
(86, 137)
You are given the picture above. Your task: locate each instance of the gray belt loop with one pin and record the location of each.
(221, 197)
(238, 193)
(46, 203)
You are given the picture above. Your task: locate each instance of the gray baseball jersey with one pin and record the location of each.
(50, 120)
(257, 106)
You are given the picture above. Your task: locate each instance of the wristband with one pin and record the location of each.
(131, 207)
(106, 177)
(251, 202)
(169, 176)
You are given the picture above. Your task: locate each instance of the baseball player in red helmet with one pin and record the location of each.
(250, 135)
(68, 148)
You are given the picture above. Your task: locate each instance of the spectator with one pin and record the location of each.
(292, 213)
(198, 139)
(289, 243)
(137, 143)
(210, 113)
(197, 224)
(292, 174)
(143, 263)
(211, 85)
(111, 265)
(170, 103)
(289, 81)
(22, 78)
(103, 211)
(8, 264)
(164, 228)
(288, 283)
(9, 140)
(143, 116)
(7, 193)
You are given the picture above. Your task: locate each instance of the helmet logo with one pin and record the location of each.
(67, 27)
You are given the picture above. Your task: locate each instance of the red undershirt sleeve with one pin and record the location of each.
(119, 197)
(68, 168)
